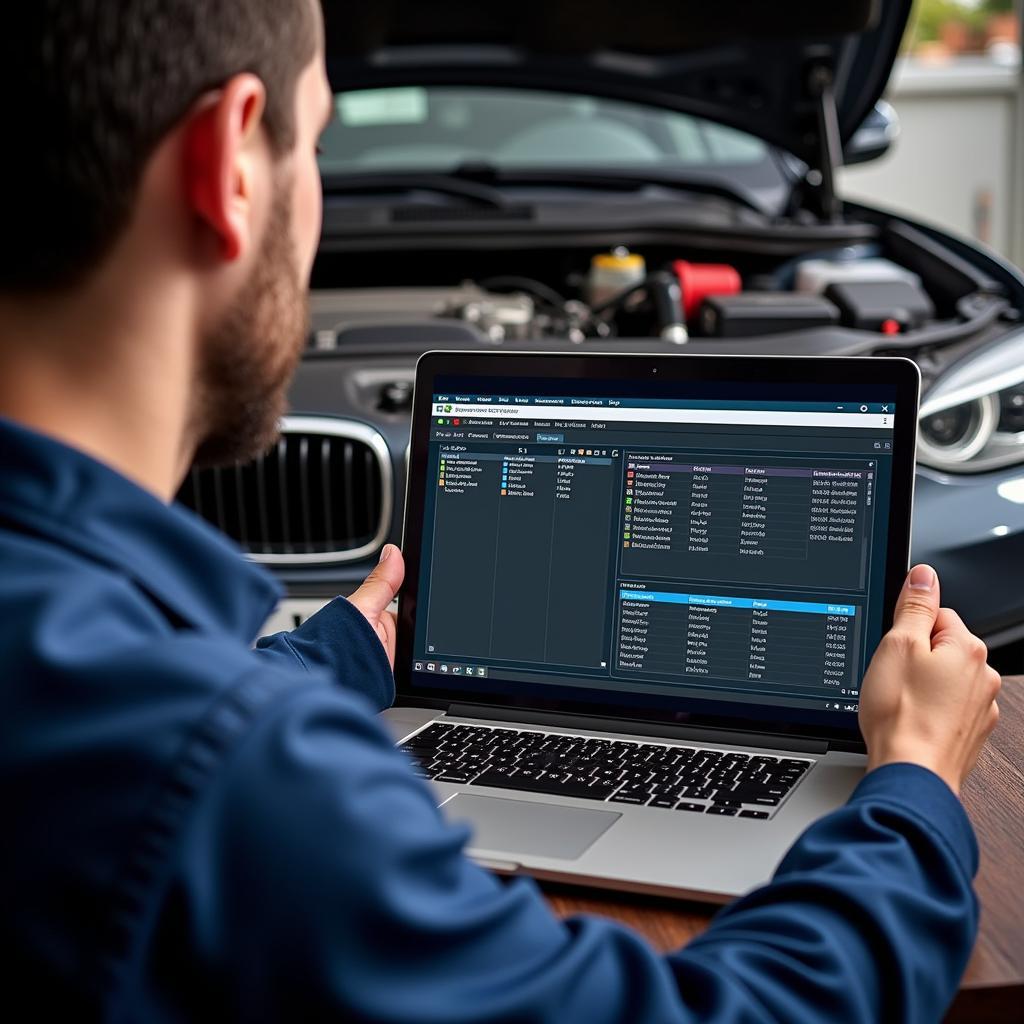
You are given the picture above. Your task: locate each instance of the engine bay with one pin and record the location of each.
(904, 291)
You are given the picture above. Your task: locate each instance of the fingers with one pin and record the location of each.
(918, 604)
(994, 682)
(949, 629)
(387, 629)
(382, 585)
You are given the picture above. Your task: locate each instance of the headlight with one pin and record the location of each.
(973, 419)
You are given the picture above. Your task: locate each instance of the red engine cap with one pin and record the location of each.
(699, 280)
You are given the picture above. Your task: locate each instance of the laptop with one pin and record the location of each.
(641, 595)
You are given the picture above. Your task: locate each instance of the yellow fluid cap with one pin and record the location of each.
(620, 259)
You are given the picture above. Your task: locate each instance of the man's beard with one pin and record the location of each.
(247, 361)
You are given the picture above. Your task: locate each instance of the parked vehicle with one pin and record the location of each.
(660, 177)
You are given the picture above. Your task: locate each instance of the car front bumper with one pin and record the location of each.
(971, 529)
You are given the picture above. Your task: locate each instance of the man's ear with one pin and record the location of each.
(220, 161)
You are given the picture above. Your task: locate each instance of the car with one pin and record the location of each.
(651, 177)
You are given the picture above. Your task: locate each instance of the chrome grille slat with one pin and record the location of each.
(282, 493)
(307, 522)
(370, 497)
(350, 516)
(261, 504)
(325, 474)
(323, 495)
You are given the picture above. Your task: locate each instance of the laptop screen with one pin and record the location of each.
(720, 542)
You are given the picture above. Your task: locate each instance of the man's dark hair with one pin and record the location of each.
(89, 89)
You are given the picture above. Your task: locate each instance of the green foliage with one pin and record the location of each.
(929, 16)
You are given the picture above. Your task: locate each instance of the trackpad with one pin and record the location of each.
(521, 826)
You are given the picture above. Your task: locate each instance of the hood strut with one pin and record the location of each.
(821, 179)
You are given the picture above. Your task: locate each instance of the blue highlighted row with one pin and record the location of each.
(710, 601)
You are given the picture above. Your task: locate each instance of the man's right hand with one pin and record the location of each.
(929, 696)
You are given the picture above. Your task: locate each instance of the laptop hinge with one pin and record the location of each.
(802, 744)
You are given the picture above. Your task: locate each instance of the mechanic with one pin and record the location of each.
(200, 830)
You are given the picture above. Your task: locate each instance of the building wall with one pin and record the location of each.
(957, 160)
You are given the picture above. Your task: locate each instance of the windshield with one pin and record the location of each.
(439, 129)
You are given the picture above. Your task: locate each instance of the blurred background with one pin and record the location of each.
(958, 91)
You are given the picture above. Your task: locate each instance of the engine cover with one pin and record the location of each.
(497, 317)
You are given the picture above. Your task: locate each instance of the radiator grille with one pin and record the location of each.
(322, 494)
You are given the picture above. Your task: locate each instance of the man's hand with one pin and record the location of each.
(928, 697)
(377, 592)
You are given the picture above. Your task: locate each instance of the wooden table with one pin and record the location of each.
(993, 987)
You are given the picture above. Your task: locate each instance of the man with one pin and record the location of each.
(198, 830)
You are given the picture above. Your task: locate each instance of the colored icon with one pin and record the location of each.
(447, 408)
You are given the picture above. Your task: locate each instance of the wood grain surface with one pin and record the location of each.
(993, 987)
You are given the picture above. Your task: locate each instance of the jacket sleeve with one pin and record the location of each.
(318, 880)
(871, 916)
(336, 640)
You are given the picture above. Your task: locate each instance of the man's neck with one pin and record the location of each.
(116, 391)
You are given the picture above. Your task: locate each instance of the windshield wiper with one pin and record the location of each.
(476, 193)
(480, 184)
(488, 174)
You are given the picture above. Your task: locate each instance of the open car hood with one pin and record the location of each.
(759, 66)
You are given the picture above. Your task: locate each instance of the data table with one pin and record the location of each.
(743, 522)
(794, 645)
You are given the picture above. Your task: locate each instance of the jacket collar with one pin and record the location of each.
(52, 490)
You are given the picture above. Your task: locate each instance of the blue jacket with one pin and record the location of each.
(197, 830)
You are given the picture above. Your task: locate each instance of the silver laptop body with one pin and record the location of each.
(708, 847)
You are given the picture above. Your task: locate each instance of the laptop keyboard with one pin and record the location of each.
(722, 782)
